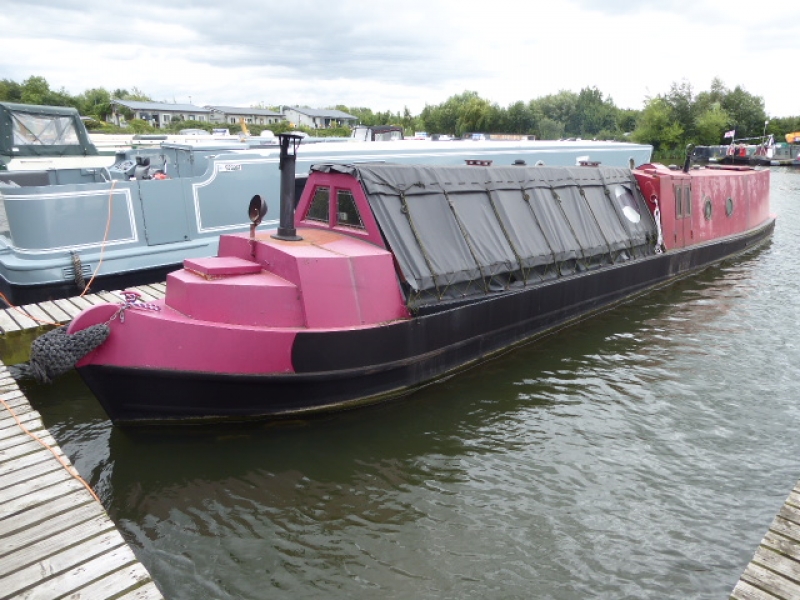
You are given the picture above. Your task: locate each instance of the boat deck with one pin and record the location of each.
(56, 540)
(774, 571)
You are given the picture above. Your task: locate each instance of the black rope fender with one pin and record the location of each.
(56, 352)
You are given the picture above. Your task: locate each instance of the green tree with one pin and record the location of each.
(550, 129)
(95, 103)
(710, 124)
(10, 91)
(657, 126)
(746, 112)
(558, 107)
(35, 90)
(592, 114)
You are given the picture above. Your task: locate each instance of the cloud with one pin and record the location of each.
(391, 55)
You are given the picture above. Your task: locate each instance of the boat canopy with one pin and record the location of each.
(465, 230)
(33, 130)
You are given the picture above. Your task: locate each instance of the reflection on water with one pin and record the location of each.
(641, 454)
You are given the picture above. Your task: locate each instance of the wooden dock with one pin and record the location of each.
(774, 572)
(56, 539)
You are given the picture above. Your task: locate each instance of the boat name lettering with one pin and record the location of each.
(231, 167)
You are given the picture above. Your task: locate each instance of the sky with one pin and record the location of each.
(394, 55)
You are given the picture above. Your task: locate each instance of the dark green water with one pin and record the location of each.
(641, 454)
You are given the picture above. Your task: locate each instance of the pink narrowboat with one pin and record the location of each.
(388, 277)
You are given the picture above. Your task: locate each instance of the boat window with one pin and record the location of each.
(687, 201)
(678, 202)
(625, 199)
(320, 205)
(43, 130)
(347, 210)
(729, 206)
(707, 209)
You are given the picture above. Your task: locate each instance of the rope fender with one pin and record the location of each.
(56, 352)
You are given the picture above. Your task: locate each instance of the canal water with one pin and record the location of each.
(641, 454)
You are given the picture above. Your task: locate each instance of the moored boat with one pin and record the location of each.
(392, 276)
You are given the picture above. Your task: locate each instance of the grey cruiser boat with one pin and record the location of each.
(138, 219)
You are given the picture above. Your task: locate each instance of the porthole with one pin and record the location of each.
(707, 209)
(729, 206)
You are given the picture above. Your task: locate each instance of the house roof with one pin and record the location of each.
(165, 106)
(239, 110)
(330, 113)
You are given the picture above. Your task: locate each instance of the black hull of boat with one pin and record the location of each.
(18, 295)
(343, 369)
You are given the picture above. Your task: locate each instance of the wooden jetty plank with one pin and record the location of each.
(44, 511)
(52, 310)
(146, 293)
(81, 515)
(132, 579)
(72, 306)
(66, 583)
(21, 317)
(778, 543)
(149, 591)
(161, 286)
(31, 420)
(786, 528)
(27, 445)
(778, 563)
(7, 324)
(109, 297)
(153, 289)
(767, 580)
(55, 543)
(746, 591)
(790, 513)
(10, 442)
(41, 318)
(27, 417)
(92, 299)
(35, 497)
(15, 477)
(7, 418)
(29, 486)
(62, 573)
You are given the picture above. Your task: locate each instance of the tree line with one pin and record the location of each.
(668, 121)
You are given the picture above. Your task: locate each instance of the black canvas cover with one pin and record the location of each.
(33, 130)
(459, 231)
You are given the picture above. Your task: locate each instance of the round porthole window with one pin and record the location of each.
(729, 206)
(707, 209)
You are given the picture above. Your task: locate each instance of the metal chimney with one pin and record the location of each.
(286, 230)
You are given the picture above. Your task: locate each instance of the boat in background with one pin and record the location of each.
(393, 276)
(139, 218)
(772, 154)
